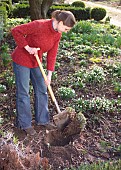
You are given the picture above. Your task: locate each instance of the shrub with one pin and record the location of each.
(98, 13)
(82, 13)
(66, 5)
(3, 17)
(20, 11)
(78, 4)
(66, 92)
(79, 13)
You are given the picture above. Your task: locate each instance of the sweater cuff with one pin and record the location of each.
(51, 68)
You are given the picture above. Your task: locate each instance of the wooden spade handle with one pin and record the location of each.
(49, 87)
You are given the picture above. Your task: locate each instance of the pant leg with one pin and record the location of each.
(22, 78)
(41, 97)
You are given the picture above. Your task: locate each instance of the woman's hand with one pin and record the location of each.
(32, 50)
(48, 81)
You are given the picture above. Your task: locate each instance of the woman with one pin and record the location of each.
(33, 38)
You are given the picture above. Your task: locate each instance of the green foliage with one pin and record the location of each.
(2, 88)
(94, 39)
(82, 13)
(1, 27)
(3, 18)
(108, 39)
(115, 69)
(1, 121)
(95, 105)
(5, 9)
(20, 11)
(117, 87)
(57, 65)
(10, 79)
(66, 92)
(15, 140)
(63, 4)
(6, 59)
(54, 75)
(93, 76)
(83, 63)
(98, 13)
(78, 4)
(118, 42)
(79, 13)
(12, 22)
(15, 1)
(110, 165)
(8, 4)
(108, 50)
(82, 27)
(88, 50)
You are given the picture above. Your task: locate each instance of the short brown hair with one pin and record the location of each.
(66, 16)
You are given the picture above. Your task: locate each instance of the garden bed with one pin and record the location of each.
(90, 72)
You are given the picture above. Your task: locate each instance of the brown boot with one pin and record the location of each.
(49, 126)
(30, 131)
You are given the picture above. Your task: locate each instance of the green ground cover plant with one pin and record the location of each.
(96, 105)
(66, 92)
(101, 166)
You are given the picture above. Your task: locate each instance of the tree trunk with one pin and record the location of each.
(39, 8)
(120, 2)
(45, 7)
(35, 9)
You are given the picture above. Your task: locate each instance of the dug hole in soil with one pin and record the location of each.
(51, 149)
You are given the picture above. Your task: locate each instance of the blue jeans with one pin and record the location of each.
(23, 75)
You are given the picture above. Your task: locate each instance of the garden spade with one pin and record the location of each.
(62, 118)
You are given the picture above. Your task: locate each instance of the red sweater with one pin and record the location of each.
(38, 34)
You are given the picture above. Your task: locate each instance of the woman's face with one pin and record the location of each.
(62, 28)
